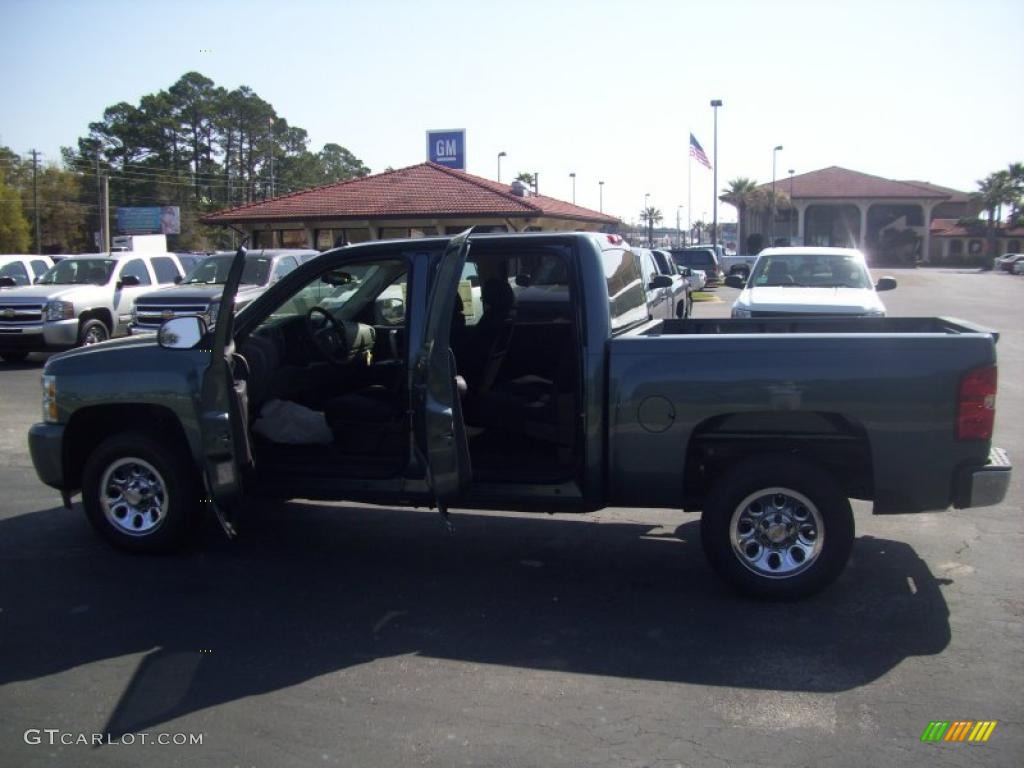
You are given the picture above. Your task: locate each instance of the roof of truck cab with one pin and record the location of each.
(809, 250)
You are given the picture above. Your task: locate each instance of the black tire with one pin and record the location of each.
(759, 569)
(14, 357)
(92, 332)
(179, 518)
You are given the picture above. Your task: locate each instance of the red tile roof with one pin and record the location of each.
(842, 183)
(952, 228)
(425, 190)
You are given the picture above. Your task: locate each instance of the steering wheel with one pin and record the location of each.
(328, 334)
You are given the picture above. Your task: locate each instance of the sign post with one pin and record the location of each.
(447, 148)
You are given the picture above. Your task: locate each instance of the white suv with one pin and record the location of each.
(80, 300)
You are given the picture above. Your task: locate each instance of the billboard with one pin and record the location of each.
(447, 148)
(153, 220)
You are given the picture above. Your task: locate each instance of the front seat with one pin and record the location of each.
(491, 337)
(778, 274)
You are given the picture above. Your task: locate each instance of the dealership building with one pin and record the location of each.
(890, 220)
(418, 201)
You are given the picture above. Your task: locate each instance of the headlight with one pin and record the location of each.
(60, 310)
(49, 399)
(211, 313)
(740, 312)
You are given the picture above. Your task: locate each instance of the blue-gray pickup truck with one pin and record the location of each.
(359, 377)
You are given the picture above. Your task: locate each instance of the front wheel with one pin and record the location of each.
(92, 332)
(777, 527)
(140, 494)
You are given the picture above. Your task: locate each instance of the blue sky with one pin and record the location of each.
(607, 90)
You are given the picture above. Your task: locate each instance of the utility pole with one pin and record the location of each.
(715, 104)
(35, 198)
(106, 213)
(99, 201)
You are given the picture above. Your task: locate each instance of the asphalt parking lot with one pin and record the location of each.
(331, 635)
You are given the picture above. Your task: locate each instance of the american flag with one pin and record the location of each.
(697, 151)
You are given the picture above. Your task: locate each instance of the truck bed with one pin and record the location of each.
(841, 325)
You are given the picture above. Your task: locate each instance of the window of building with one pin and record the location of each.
(294, 238)
(357, 235)
(956, 247)
(392, 233)
(324, 239)
(165, 270)
(974, 247)
(423, 232)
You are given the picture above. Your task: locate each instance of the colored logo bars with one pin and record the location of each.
(959, 730)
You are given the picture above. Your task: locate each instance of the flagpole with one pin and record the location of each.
(689, 188)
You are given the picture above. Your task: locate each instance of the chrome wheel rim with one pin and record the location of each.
(94, 335)
(133, 496)
(777, 533)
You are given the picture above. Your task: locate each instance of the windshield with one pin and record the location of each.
(699, 259)
(213, 270)
(79, 272)
(816, 270)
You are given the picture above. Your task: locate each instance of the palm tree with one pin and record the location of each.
(652, 216)
(1015, 189)
(527, 179)
(992, 193)
(740, 194)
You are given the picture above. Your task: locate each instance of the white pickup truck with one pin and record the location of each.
(22, 269)
(81, 300)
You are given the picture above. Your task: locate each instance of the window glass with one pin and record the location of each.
(294, 238)
(626, 297)
(663, 263)
(814, 270)
(393, 233)
(17, 271)
(165, 269)
(136, 268)
(79, 272)
(650, 268)
(39, 267)
(375, 288)
(324, 239)
(284, 266)
(213, 270)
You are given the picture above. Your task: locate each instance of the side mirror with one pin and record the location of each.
(523, 279)
(177, 279)
(392, 311)
(8, 282)
(660, 281)
(685, 272)
(181, 332)
(128, 281)
(735, 281)
(885, 284)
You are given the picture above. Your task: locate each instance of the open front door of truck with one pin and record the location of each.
(440, 431)
(224, 418)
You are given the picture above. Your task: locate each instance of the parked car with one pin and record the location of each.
(809, 281)
(660, 288)
(80, 300)
(575, 404)
(700, 257)
(1018, 267)
(737, 264)
(199, 292)
(1006, 263)
(681, 288)
(21, 269)
(698, 277)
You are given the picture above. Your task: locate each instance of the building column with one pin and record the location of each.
(374, 230)
(863, 236)
(926, 253)
(800, 208)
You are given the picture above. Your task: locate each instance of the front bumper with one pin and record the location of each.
(985, 486)
(46, 445)
(57, 334)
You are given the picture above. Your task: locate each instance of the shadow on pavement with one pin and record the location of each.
(312, 590)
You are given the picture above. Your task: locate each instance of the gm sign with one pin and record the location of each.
(447, 148)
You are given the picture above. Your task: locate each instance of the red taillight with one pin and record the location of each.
(976, 410)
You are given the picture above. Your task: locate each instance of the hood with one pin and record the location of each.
(197, 293)
(114, 345)
(840, 301)
(30, 294)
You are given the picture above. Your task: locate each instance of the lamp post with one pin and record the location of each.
(600, 197)
(771, 224)
(500, 155)
(715, 104)
(573, 177)
(792, 206)
(679, 232)
(647, 196)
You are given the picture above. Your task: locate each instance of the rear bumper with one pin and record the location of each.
(985, 486)
(46, 445)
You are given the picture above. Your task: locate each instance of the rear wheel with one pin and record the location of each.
(92, 332)
(140, 494)
(13, 357)
(777, 527)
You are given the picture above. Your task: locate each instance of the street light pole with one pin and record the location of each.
(792, 206)
(600, 198)
(500, 155)
(679, 232)
(573, 177)
(715, 104)
(771, 224)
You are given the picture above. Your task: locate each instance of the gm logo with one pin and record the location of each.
(447, 148)
(959, 730)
